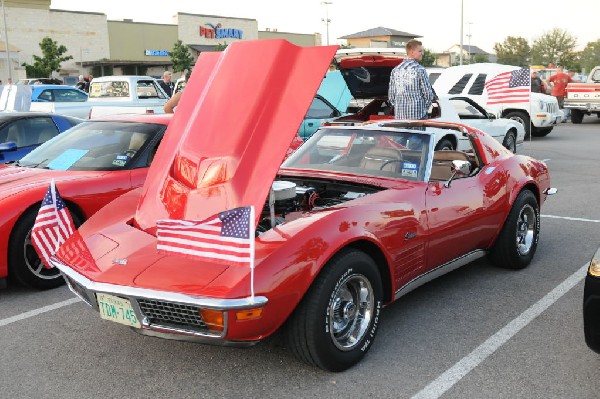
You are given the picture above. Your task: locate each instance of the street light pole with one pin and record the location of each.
(6, 44)
(327, 20)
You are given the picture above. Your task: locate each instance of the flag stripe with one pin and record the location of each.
(52, 226)
(226, 237)
(509, 87)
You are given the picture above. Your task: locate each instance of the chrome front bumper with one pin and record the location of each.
(87, 289)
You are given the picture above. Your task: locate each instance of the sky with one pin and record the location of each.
(437, 21)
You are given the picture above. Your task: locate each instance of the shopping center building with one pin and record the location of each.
(105, 47)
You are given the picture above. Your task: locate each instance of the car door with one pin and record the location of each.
(472, 114)
(466, 215)
(319, 111)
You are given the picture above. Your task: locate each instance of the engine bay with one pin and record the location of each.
(291, 195)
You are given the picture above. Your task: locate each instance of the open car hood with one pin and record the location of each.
(236, 119)
(367, 71)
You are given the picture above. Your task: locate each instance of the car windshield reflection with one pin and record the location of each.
(93, 146)
(378, 153)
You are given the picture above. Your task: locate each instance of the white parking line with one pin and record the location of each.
(35, 312)
(455, 373)
(568, 218)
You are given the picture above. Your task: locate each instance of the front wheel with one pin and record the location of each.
(510, 141)
(522, 118)
(24, 264)
(335, 324)
(577, 116)
(517, 242)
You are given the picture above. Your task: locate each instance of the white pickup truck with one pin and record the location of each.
(110, 95)
(584, 98)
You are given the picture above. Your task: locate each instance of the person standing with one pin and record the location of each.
(559, 83)
(81, 83)
(537, 86)
(167, 84)
(409, 91)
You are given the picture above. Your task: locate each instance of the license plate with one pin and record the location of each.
(117, 309)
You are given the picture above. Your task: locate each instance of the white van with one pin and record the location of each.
(538, 116)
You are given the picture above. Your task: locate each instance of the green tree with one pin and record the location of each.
(477, 58)
(52, 57)
(181, 57)
(513, 51)
(555, 47)
(221, 47)
(590, 56)
(428, 58)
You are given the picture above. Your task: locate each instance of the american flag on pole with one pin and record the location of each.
(509, 87)
(52, 226)
(227, 237)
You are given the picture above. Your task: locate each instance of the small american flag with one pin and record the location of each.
(509, 87)
(52, 226)
(227, 237)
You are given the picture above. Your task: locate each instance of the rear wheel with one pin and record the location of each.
(510, 141)
(517, 242)
(522, 118)
(335, 324)
(24, 264)
(577, 116)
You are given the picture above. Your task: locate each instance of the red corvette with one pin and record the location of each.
(92, 164)
(354, 219)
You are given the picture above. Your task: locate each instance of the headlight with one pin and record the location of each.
(594, 268)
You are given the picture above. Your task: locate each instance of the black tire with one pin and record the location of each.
(510, 141)
(541, 131)
(329, 329)
(522, 118)
(444, 144)
(591, 307)
(515, 246)
(24, 264)
(576, 116)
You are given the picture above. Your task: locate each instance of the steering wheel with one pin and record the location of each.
(389, 162)
(130, 153)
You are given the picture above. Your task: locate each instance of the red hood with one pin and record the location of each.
(234, 123)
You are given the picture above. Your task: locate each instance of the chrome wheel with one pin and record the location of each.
(526, 225)
(33, 262)
(350, 311)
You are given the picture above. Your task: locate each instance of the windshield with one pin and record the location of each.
(379, 153)
(93, 145)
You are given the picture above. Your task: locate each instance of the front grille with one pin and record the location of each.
(552, 108)
(168, 313)
(78, 289)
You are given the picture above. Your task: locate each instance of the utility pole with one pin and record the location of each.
(6, 44)
(461, 32)
(327, 20)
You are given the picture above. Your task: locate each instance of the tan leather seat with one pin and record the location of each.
(378, 158)
(442, 163)
(137, 141)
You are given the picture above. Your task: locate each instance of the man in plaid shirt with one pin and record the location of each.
(410, 92)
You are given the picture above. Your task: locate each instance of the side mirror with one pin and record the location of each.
(459, 169)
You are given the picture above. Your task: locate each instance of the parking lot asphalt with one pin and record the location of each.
(478, 332)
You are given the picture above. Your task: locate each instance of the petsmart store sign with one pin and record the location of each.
(211, 31)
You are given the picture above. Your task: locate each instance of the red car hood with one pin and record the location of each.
(233, 126)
